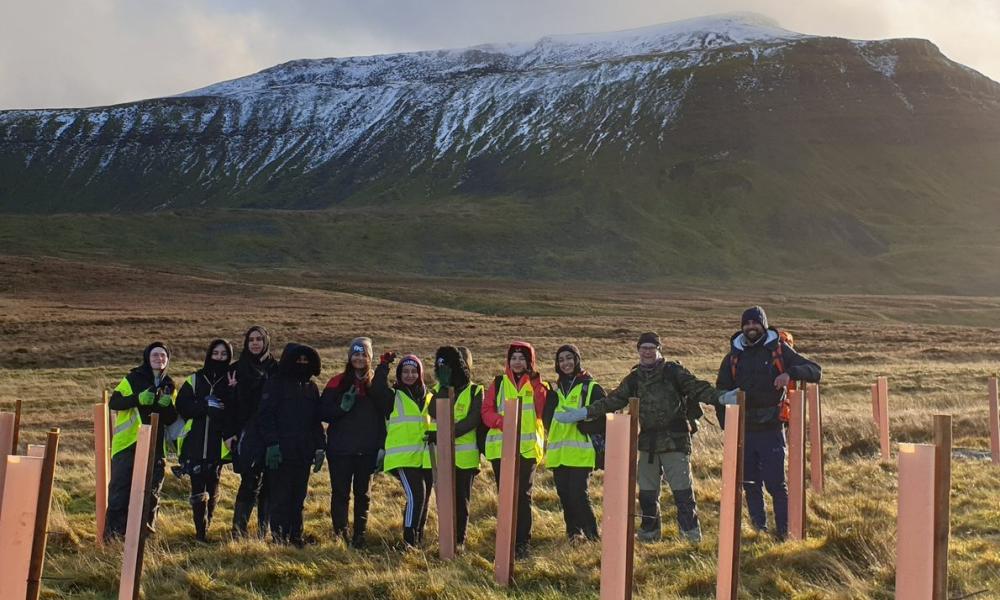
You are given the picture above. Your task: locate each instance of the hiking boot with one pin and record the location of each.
(521, 551)
(648, 536)
(692, 535)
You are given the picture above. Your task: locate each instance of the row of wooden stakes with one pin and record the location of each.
(25, 500)
(924, 487)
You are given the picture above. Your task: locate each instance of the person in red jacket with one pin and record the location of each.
(520, 378)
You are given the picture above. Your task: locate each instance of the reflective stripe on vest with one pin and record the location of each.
(404, 440)
(567, 445)
(127, 422)
(532, 436)
(466, 450)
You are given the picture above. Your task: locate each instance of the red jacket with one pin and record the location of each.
(494, 420)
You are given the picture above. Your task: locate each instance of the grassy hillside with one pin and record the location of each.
(71, 328)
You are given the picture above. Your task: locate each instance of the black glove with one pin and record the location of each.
(431, 437)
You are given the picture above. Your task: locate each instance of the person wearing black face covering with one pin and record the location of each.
(254, 368)
(147, 389)
(207, 400)
(291, 428)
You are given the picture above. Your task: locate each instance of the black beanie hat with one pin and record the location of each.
(650, 337)
(754, 313)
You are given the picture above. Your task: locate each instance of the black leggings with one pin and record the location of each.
(347, 474)
(417, 485)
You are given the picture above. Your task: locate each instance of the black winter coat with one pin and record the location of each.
(360, 430)
(209, 426)
(755, 375)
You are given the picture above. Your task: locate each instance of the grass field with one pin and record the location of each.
(71, 329)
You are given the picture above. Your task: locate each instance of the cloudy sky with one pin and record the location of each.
(59, 53)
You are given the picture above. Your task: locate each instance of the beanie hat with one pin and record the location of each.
(650, 337)
(754, 313)
(576, 356)
(360, 344)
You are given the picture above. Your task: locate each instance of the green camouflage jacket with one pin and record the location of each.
(669, 397)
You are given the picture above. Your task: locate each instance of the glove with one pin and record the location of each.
(572, 416)
(147, 397)
(272, 458)
(431, 437)
(164, 400)
(215, 404)
(387, 358)
(443, 375)
(730, 397)
(347, 399)
(318, 461)
(379, 460)
(693, 426)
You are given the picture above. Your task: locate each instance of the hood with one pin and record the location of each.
(264, 354)
(519, 345)
(289, 355)
(452, 357)
(576, 355)
(739, 343)
(145, 356)
(208, 364)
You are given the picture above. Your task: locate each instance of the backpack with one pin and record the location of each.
(777, 360)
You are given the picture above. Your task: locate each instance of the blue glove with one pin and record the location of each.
(571, 416)
(730, 397)
(215, 403)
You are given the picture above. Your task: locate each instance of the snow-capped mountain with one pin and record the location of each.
(633, 110)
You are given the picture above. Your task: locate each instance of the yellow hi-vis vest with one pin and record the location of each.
(127, 422)
(404, 439)
(466, 451)
(567, 446)
(532, 429)
(224, 454)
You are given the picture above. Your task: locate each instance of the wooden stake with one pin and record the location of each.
(17, 427)
(6, 447)
(942, 504)
(618, 516)
(510, 468)
(883, 418)
(914, 539)
(42, 514)
(994, 422)
(875, 402)
(797, 467)
(731, 506)
(445, 490)
(817, 477)
(102, 468)
(17, 523)
(135, 529)
(36, 450)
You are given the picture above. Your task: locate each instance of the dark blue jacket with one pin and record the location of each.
(755, 374)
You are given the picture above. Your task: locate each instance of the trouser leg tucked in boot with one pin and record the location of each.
(199, 510)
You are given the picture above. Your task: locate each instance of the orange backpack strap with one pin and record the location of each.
(777, 358)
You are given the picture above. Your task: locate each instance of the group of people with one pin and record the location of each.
(269, 419)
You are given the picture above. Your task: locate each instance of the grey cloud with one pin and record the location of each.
(91, 52)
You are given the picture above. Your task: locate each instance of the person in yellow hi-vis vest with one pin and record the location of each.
(451, 367)
(147, 389)
(406, 454)
(569, 450)
(207, 401)
(519, 379)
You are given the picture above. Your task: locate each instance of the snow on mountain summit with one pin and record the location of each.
(686, 36)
